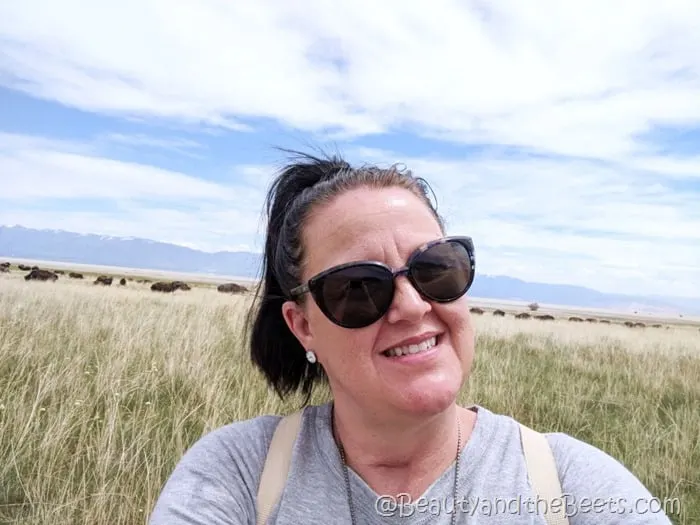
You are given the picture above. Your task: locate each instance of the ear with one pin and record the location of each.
(297, 321)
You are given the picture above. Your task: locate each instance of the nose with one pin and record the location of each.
(408, 305)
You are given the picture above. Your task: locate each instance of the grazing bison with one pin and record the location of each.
(59, 272)
(591, 320)
(75, 275)
(545, 317)
(40, 275)
(179, 285)
(231, 288)
(5, 265)
(103, 280)
(522, 315)
(122, 282)
(499, 313)
(575, 319)
(24, 267)
(477, 311)
(604, 321)
(165, 287)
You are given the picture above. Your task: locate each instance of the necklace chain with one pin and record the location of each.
(346, 473)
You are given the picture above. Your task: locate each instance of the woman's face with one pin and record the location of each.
(384, 225)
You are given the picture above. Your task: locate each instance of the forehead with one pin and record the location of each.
(378, 224)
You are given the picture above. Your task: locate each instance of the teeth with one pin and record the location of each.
(412, 349)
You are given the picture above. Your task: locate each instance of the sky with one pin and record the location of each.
(564, 137)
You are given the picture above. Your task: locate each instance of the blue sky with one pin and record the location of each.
(564, 138)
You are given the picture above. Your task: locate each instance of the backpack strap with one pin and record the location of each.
(276, 468)
(539, 459)
(544, 479)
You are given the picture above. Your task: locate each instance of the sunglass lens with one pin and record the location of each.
(356, 296)
(443, 272)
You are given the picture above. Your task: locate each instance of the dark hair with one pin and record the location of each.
(302, 186)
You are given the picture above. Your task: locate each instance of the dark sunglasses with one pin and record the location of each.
(358, 294)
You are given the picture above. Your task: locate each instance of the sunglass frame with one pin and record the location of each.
(312, 286)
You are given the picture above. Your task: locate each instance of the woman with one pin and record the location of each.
(395, 350)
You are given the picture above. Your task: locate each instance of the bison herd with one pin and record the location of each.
(39, 274)
(548, 317)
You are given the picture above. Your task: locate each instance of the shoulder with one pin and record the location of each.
(598, 488)
(216, 479)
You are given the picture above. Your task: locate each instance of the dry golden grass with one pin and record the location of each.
(103, 389)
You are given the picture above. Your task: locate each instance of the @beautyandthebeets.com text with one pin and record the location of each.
(567, 504)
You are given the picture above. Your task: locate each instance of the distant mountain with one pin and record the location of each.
(511, 289)
(67, 247)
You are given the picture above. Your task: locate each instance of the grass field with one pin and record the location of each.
(103, 388)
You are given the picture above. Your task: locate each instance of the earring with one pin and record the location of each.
(310, 356)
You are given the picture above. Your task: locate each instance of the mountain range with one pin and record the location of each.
(67, 247)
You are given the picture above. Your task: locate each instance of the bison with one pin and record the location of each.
(24, 267)
(477, 311)
(4, 269)
(122, 282)
(575, 319)
(231, 288)
(5, 265)
(522, 315)
(103, 280)
(75, 275)
(40, 275)
(499, 313)
(162, 286)
(545, 317)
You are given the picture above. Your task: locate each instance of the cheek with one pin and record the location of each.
(458, 321)
(336, 343)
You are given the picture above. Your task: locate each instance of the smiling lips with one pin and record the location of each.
(411, 349)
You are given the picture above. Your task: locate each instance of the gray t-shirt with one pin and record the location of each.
(216, 481)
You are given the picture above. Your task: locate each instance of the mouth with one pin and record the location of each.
(418, 348)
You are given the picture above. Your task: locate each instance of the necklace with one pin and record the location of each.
(346, 472)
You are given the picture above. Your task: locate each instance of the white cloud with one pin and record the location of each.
(45, 169)
(581, 79)
(587, 80)
(568, 222)
(42, 181)
(596, 227)
(173, 144)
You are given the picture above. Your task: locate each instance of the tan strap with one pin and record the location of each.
(539, 459)
(276, 468)
(544, 478)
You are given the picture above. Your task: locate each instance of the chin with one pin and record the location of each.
(430, 399)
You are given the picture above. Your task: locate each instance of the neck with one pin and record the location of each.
(401, 454)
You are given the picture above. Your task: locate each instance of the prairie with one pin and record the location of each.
(102, 389)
